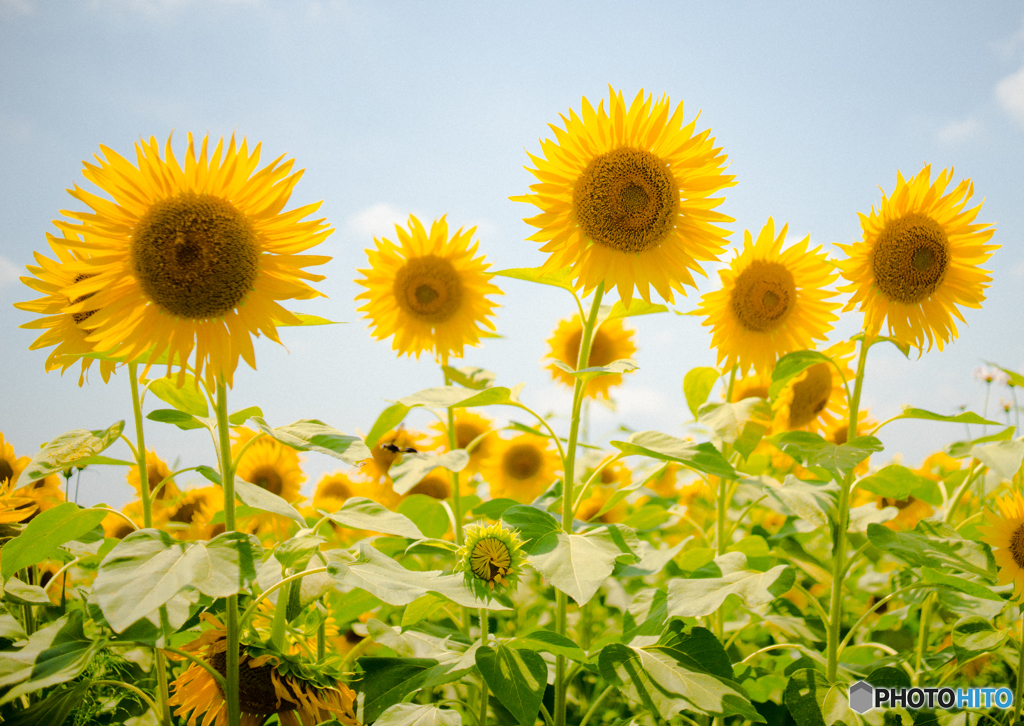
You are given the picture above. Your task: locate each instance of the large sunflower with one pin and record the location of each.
(190, 258)
(771, 302)
(1005, 533)
(521, 467)
(611, 342)
(269, 465)
(815, 400)
(68, 331)
(626, 197)
(919, 260)
(428, 290)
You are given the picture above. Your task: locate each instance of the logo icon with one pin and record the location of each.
(862, 697)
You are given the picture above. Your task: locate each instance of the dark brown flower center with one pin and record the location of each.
(626, 199)
(810, 395)
(522, 461)
(195, 255)
(335, 489)
(911, 258)
(763, 296)
(601, 349)
(6, 470)
(255, 686)
(429, 289)
(267, 477)
(432, 486)
(186, 513)
(1017, 546)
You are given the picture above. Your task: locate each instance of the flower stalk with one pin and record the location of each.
(227, 478)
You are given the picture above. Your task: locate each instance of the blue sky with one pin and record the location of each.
(429, 108)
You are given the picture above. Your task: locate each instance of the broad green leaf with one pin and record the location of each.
(813, 701)
(550, 642)
(242, 415)
(313, 435)
(559, 278)
(1002, 457)
(184, 421)
(696, 598)
(422, 608)
(362, 513)
(617, 367)
(637, 306)
(413, 467)
(531, 523)
(296, 552)
(646, 615)
(45, 533)
(22, 593)
(651, 562)
(103, 461)
(387, 420)
(894, 481)
(54, 711)
(973, 636)
(793, 364)
(869, 514)
(697, 385)
(971, 587)
(186, 398)
(427, 513)
(702, 457)
(963, 449)
(476, 379)
(806, 500)
(412, 714)
(67, 450)
(259, 498)
(740, 424)
(56, 654)
(967, 417)
(577, 564)
(438, 398)
(517, 678)
(903, 347)
(812, 450)
(494, 508)
(936, 545)
(698, 650)
(386, 681)
(10, 628)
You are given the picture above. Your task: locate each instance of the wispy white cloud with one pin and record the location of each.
(1010, 95)
(156, 8)
(9, 272)
(953, 132)
(374, 221)
(1008, 46)
(16, 8)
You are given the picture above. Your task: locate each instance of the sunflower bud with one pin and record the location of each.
(491, 558)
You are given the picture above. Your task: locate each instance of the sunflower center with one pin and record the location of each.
(763, 296)
(6, 470)
(82, 316)
(841, 434)
(154, 476)
(466, 433)
(186, 513)
(522, 461)
(627, 200)
(601, 348)
(269, 478)
(810, 395)
(911, 258)
(195, 255)
(432, 486)
(491, 559)
(429, 289)
(122, 530)
(753, 391)
(255, 685)
(336, 489)
(1017, 545)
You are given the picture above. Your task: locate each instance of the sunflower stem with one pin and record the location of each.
(567, 499)
(922, 634)
(227, 479)
(1018, 688)
(835, 614)
(482, 718)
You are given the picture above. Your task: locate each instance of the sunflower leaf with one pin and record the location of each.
(812, 450)
(260, 498)
(186, 398)
(476, 379)
(893, 481)
(696, 598)
(413, 467)
(184, 421)
(791, 365)
(967, 417)
(963, 449)
(935, 545)
(577, 564)
(697, 385)
(241, 416)
(701, 457)
(313, 435)
(411, 714)
(740, 424)
(560, 278)
(438, 398)
(45, 533)
(587, 374)
(67, 450)
(637, 306)
(517, 677)
(362, 513)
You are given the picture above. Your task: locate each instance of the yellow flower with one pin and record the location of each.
(11, 466)
(469, 427)
(46, 493)
(491, 555)
(771, 302)
(156, 472)
(269, 465)
(611, 342)
(755, 385)
(190, 259)
(815, 400)
(1005, 533)
(428, 291)
(68, 331)
(435, 484)
(626, 197)
(919, 260)
(115, 527)
(521, 467)
(334, 489)
(613, 477)
(192, 511)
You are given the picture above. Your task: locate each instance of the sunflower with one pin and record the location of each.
(115, 527)
(1005, 533)
(11, 466)
(269, 464)
(268, 683)
(334, 489)
(815, 400)
(754, 385)
(626, 197)
(469, 427)
(191, 512)
(919, 260)
(521, 467)
(190, 258)
(434, 485)
(611, 342)
(429, 291)
(387, 453)
(68, 331)
(491, 558)
(14, 508)
(157, 472)
(771, 302)
(46, 492)
(613, 477)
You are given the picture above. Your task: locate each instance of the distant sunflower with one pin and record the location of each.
(190, 258)
(919, 260)
(14, 508)
(521, 468)
(626, 197)
(754, 385)
(156, 472)
(387, 453)
(613, 477)
(192, 511)
(269, 465)
(611, 342)
(115, 527)
(428, 290)
(771, 302)
(434, 485)
(1005, 534)
(469, 427)
(815, 400)
(46, 492)
(333, 490)
(11, 466)
(68, 331)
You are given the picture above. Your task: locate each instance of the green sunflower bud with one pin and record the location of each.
(492, 558)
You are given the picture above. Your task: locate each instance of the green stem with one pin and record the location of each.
(922, 635)
(835, 611)
(140, 449)
(321, 638)
(568, 466)
(593, 706)
(482, 719)
(227, 479)
(277, 586)
(194, 659)
(137, 691)
(162, 688)
(1018, 689)
(873, 608)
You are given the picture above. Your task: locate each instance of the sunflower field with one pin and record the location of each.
(758, 565)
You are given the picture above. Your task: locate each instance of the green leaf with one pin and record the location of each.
(701, 457)
(186, 398)
(296, 552)
(259, 498)
(805, 694)
(531, 523)
(242, 415)
(184, 421)
(494, 508)
(516, 677)
(973, 636)
(422, 608)
(306, 320)
(413, 467)
(1002, 457)
(894, 481)
(44, 534)
(67, 450)
(699, 650)
(386, 681)
(806, 500)
(412, 714)
(967, 417)
(637, 306)
(22, 593)
(812, 450)
(550, 642)
(793, 364)
(103, 461)
(56, 654)
(936, 545)
(54, 711)
(387, 420)
(362, 513)
(1016, 379)
(577, 564)
(740, 424)
(971, 587)
(428, 514)
(476, 379)
(962, 449)
(699, 597)
(588, 374)
(314, 435)
(697, 385)
(560, 278)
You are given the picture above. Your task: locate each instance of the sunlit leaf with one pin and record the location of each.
(67, 450)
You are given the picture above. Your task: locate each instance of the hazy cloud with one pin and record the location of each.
(1008, 47)
(380, 219)
(16, 7)
(1010, 95)
(953, 132)
(9, 272)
